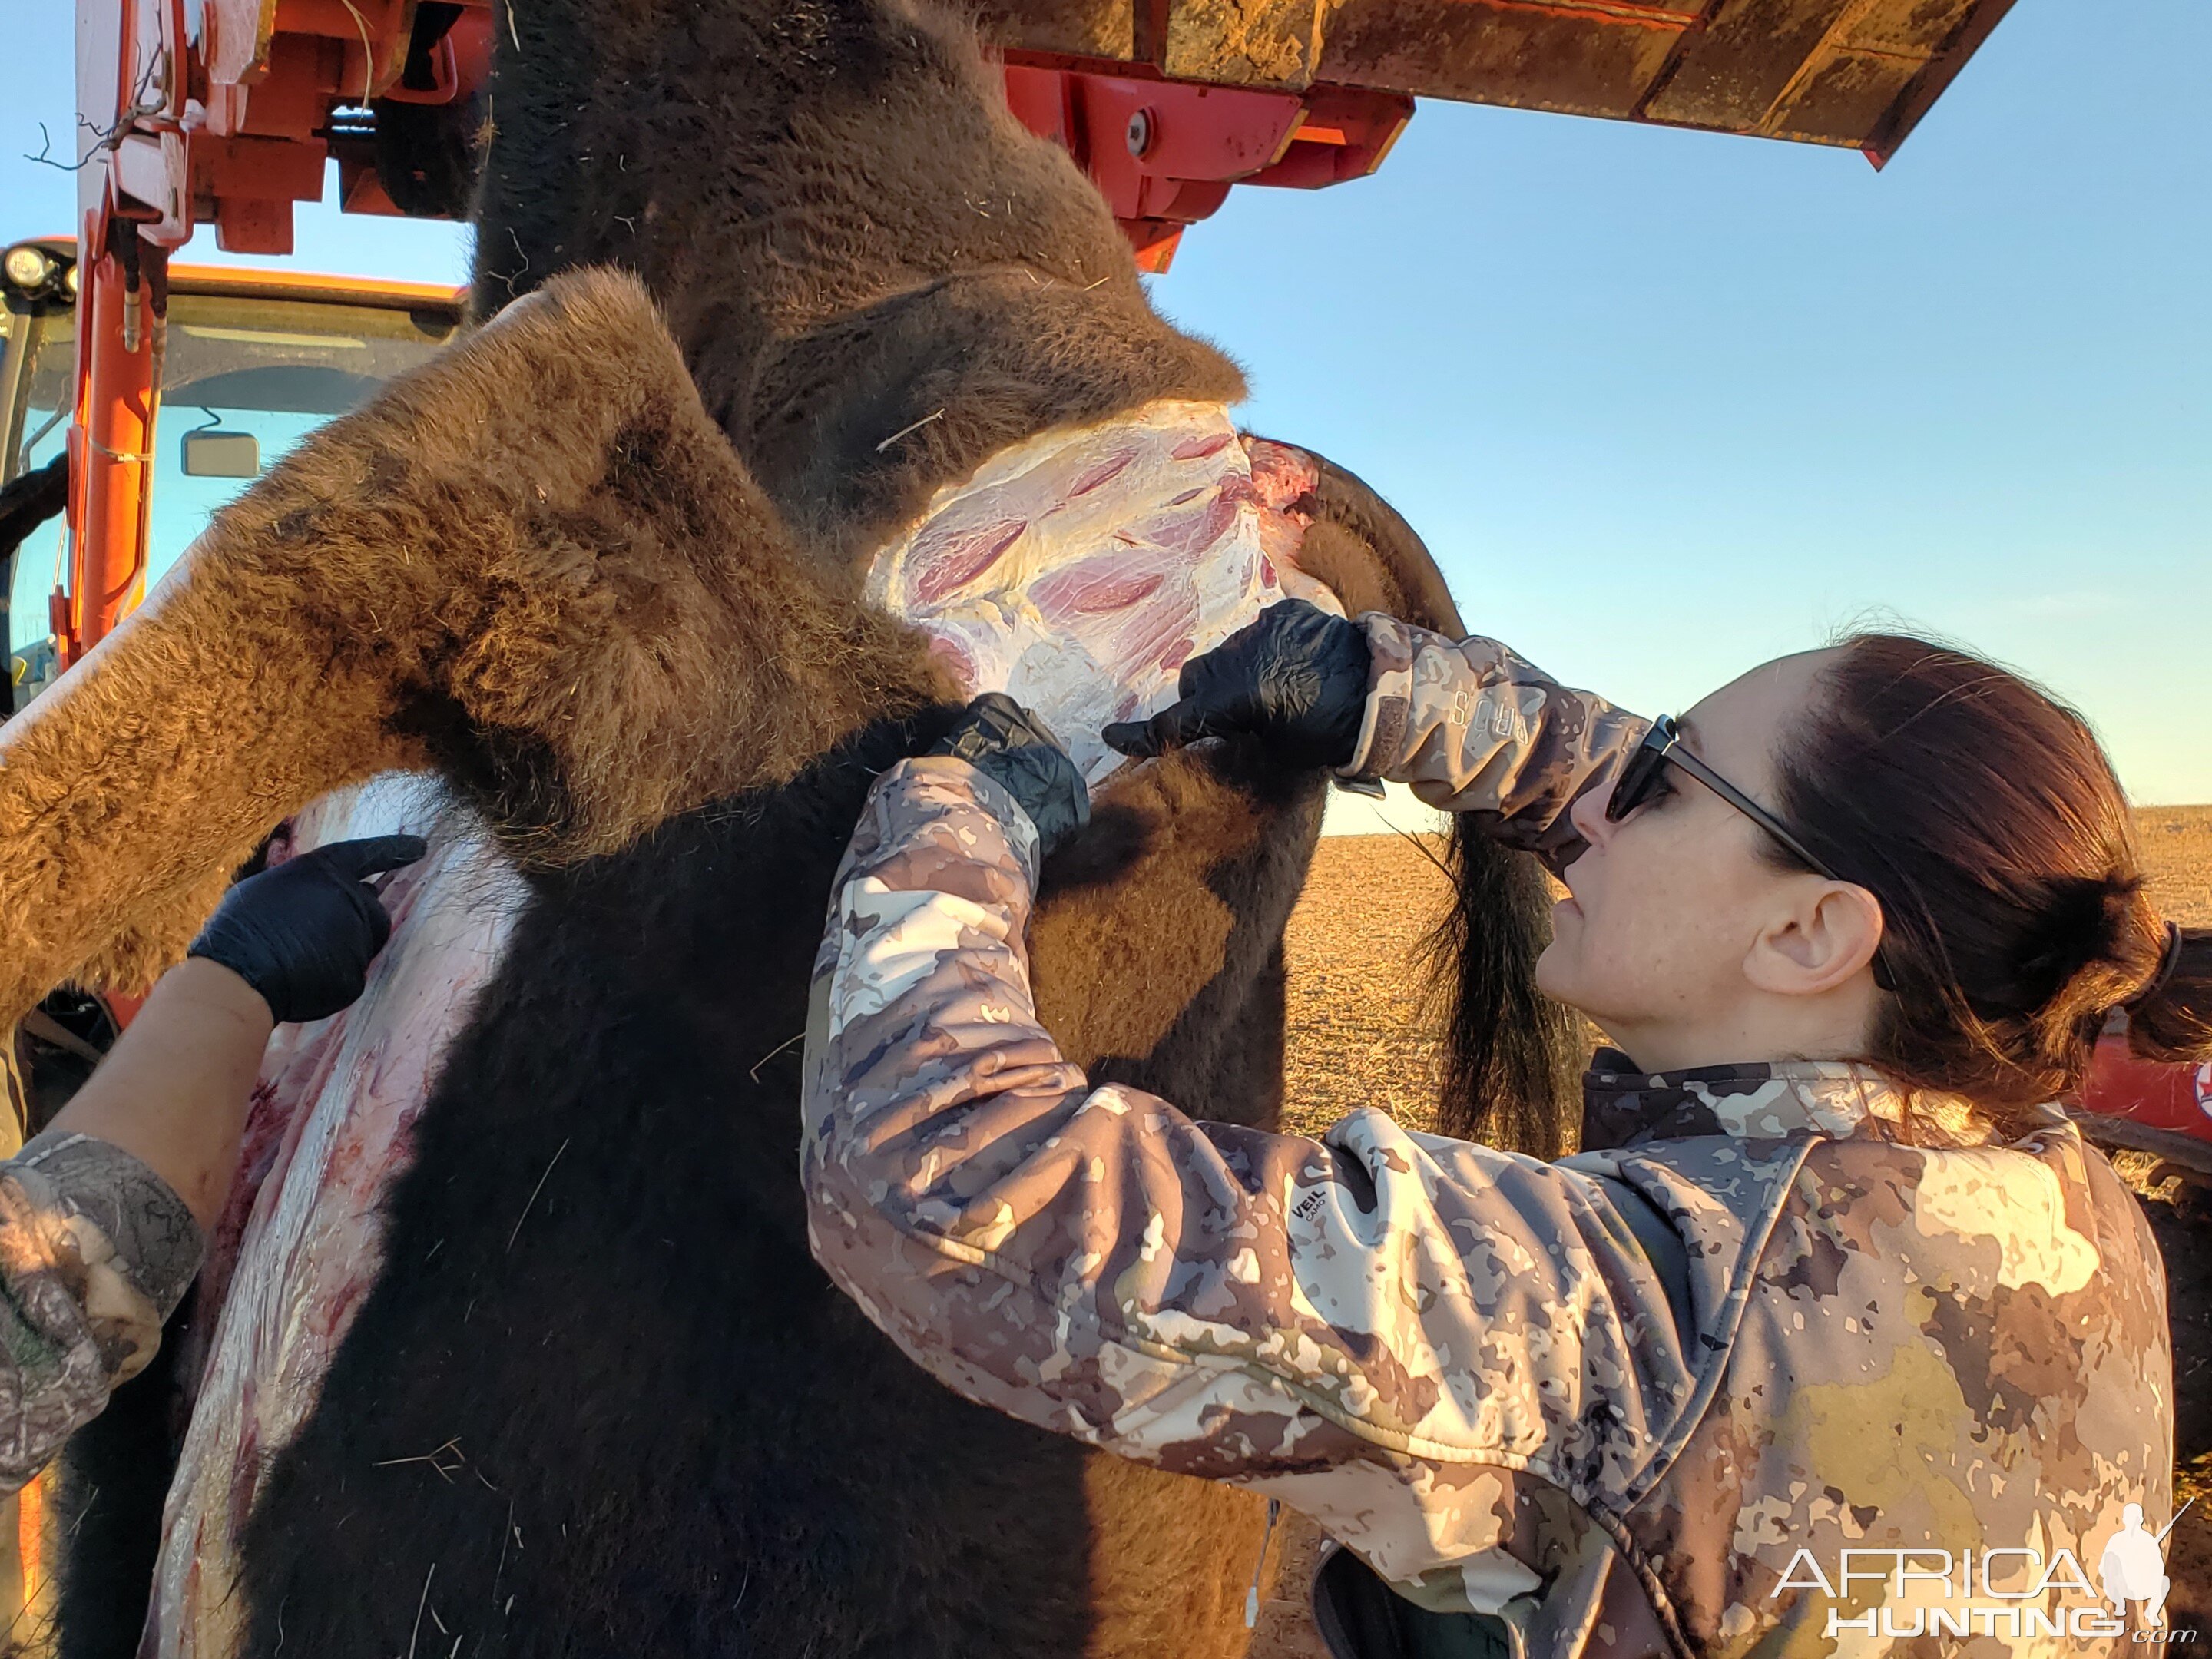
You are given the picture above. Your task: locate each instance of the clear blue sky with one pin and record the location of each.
(1667, 404)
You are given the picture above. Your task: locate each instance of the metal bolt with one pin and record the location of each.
(1140, 131)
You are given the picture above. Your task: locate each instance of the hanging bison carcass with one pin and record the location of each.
(512, 1343)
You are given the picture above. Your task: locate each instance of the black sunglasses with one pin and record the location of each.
(1663, 747)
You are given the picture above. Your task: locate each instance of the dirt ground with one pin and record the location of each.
(1356, 1038)
(2177, 851)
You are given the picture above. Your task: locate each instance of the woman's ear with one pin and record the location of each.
(1821, 943)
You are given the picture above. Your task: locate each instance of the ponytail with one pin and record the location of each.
(2170, 1018)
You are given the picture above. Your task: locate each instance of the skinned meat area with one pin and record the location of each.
(1076, 572)
(301, 1242)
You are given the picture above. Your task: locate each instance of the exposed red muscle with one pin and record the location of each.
(1110, 582)
(1142, 540)
(1280, 475)
(1197, 449)
(1102, 473)
(341, 1099)
(955, 658)
(960, 560)
(1187, 532)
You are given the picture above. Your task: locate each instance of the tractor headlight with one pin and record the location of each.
(29, 267)
(69, 280)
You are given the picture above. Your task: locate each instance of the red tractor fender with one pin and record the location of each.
(2144, 1106)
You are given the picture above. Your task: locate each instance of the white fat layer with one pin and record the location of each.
(349, 1089)
(1128, 547)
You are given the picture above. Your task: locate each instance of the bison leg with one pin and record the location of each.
(533, 564)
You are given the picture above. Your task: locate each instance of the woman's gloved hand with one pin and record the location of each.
(1015, 748)
(1296, 677)
(304, 933)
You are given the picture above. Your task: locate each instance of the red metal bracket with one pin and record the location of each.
(1165, 153)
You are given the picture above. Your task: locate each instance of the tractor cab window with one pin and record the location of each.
(37, 368)
(243, 381)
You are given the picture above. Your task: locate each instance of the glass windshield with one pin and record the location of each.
(50, 348)
(243, 381)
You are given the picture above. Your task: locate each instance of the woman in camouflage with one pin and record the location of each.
(1828, 1274)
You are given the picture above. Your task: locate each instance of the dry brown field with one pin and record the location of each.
(2177, 850)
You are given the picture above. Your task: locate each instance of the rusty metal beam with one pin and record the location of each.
(1932, 81)
(1855, 73)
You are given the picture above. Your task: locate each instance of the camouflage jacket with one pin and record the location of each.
(96, 1250)
(1476, 730)
(1464, 1362)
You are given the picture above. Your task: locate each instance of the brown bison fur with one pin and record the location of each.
(533, 564)
(980, 362)
(1109, 1559)
(1370, 557)
(373, 596)
(879, 278)
(876, 280)
(708, 1451)
(848, 233)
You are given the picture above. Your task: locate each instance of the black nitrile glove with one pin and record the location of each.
(1296, 676)
(303, 933)
(1006, 743)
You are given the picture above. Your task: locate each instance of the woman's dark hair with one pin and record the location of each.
(1983, 814)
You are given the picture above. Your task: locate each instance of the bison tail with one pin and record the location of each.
(1511, 1055)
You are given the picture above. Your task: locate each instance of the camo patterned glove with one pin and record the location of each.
(1017, 751)
(304, 933)
(1295, 677)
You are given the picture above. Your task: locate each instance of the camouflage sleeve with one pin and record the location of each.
(1371, 1327)
(96, 1252)
(1474, 729)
